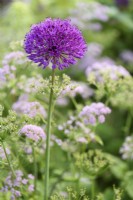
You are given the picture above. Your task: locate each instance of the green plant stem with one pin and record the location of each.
(74, 102)
(128, 124)
(93, 189)
(8, 160)
(35, 169)
(48, 138)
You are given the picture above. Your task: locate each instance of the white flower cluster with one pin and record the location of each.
(89, 15)
(127, 148)
(77, 88)
(101, 69)
(32, 109)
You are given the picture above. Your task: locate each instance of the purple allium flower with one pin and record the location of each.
(33, 132)
(54, 41)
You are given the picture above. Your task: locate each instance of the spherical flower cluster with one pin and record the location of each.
(33, 132)
(32, 109)
(2, 153)
(127, 148)
(15, 184)
(54, 41)
(95, 113)
(101, 69)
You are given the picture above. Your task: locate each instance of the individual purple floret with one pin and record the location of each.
(33, 132)
(54, 41)
(95, 113)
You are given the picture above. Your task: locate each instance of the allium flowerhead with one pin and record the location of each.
(54, 41)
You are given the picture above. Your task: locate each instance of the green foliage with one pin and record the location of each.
(93, 163)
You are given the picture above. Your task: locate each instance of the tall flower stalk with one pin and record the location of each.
(60, 43)
(35, 168)
(50, 109)
(8, 160)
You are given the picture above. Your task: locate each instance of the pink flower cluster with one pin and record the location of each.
(95, 113)
(15, 184)
(33, 132)
(32, 109)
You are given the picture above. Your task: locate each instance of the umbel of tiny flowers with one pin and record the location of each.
(60, 43)
(33, 132)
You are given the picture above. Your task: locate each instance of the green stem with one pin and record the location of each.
(8, 160)
(35, 169)
(74, 102)
(48, 139)
(93, 189)
(128, 124)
